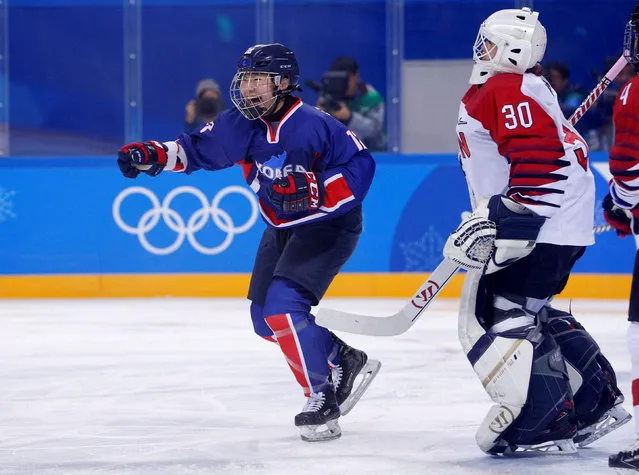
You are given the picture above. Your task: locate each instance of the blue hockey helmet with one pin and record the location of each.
(278, 62)
(631, 40)
(271, 58)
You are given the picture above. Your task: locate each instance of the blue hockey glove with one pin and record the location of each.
(148, 157)
(298, 191)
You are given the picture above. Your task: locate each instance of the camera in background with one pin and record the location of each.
(332, 90)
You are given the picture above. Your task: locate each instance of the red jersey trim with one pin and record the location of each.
(337, 192)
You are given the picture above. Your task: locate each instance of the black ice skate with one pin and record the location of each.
(628, 458)
(352, 362)
(608, 417)
(318, 419)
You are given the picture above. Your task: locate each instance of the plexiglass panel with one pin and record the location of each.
(184, 43)
(82, 77)
(319, 33)
(66, 77)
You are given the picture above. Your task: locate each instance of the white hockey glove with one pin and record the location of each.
(498, 235)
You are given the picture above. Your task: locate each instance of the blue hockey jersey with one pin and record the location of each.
(305, 139)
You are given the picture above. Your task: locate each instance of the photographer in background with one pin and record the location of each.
(205, 107)
(357, 105)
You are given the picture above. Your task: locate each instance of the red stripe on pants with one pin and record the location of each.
(286, 337)
(635, 392)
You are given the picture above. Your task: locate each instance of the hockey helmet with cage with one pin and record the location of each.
(631, 40)
(278, 62)
(509, 41)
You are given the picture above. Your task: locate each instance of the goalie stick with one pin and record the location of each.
(401, 321)
(398, 323)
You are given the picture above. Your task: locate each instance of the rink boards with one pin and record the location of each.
(77, 228)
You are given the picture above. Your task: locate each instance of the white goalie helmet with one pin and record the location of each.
(516, 42)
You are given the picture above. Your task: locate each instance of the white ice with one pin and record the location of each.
(183, 386)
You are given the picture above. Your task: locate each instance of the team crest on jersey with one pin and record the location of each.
(276, 161)
(276, 167)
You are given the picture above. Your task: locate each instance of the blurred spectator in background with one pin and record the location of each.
(358, 105)
(206, 105)
(570, 96)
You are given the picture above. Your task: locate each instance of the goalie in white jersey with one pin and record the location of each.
(533, 199)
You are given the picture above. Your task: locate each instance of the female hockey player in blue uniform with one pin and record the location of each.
(310, 174)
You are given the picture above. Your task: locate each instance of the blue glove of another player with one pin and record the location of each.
(298, 191)
(619, 218)
(148, 157)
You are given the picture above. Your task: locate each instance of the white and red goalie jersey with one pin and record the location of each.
(515, 141)
(624, 154)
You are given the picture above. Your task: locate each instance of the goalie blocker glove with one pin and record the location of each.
(494, 237)
(296, 192)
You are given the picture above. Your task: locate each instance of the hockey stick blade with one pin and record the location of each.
(398, 323)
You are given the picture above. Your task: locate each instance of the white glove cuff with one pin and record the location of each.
(175, 152)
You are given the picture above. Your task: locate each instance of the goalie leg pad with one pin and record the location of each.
(548, 414)
(598, 400)
(579, 349)
(522, 370)
(525, 375)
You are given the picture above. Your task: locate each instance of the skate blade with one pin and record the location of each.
(368, 373)
(611, 420)
(319, 433)
(552, 447)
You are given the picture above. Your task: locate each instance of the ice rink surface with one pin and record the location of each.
(184, 386)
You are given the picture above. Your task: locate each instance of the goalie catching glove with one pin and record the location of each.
(494, 237)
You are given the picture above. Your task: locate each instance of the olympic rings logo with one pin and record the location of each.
(176, 223)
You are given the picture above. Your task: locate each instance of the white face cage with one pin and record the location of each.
(484, 49)
(254, 93)
(484, 58)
